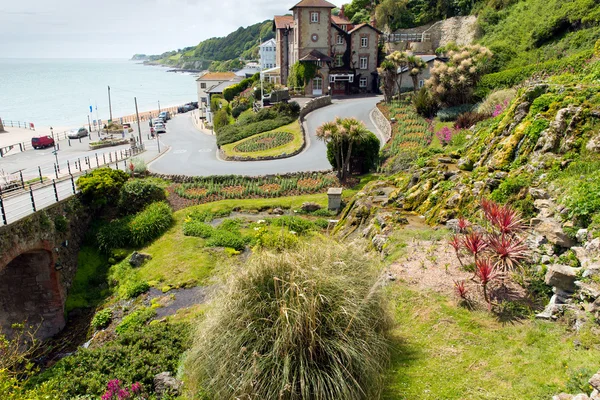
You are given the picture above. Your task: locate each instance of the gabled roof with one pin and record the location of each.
(217, 76)
(336, 19)
(427, 58)
(314, 4)
(221, 86)
(283, 21)
(316, 55)
(270, 42)
(359, 26)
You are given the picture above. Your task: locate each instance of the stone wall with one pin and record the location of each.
(38, 261)
(382, 124)
(314, 104)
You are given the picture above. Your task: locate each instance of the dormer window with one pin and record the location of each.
(314, 17)
(345, 28)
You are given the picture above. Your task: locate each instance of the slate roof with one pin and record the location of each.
(283, 21)
(316, 55)
(425, 57)
(357, 27)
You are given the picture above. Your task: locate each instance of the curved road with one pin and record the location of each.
(194, 153)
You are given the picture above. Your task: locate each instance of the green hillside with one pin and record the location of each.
(219, 53)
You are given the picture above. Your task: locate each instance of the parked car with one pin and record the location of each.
(77, 133)
(165, 115)
(159, 127)
(41, 142)
(157, 120)
(276, 96)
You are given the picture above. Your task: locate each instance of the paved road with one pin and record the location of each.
(195, 154)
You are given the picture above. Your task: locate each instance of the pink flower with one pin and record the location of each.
(445, 135)
(136, 388)
(123, 394)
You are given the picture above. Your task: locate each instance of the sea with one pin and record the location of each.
(60, 92)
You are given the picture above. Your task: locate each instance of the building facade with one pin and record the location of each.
(346, 55)
(267, 52)
(210, 80)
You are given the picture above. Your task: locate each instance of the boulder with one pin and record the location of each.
(379, 242)
(595, 395)
(594, 144)
(166, 385)
(562, 277)
(538, 194)
(278, 211)
(581, 235)
(465, 164)
(445, 160)
(310, 207)
(563, 396)
(588, 291)
(137, 259)
(453, 225)
(595, 381)
(581, 396)
(501, 175)
(552, 230)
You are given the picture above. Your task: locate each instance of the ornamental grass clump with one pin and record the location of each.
(304, 324)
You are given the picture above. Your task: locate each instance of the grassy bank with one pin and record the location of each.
(263, 144)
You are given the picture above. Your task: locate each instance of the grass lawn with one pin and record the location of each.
(447, 352)
(288, 148)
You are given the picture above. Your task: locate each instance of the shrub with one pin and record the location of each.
(101, 186)
(137, 165)
(241, 130)
(470, 118)
(115, 234)
(238, 110)
(510, 187)
(366, 150)
(500, 97)
(61, 223)
(137, 194)
(102, 318)
(223, 238)
(425, 104)
(134, 289)
(307, 323)
(136, 355)
(197, 228)
(150, 223)
(135, 320)
(296, 224)
(452, 113)
(220, 119)
(277, 241)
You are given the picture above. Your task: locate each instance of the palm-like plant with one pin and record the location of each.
(387, 72)
(400, 61)
(355, 131)
(508, 251)
(415, 66)
(475, 243)
(484, 270)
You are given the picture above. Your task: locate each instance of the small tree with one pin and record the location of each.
(400, 61)
(220, 119)
(452, 83)
(416, 65)
(387, 72)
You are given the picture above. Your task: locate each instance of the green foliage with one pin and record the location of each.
(136, 320)
(534, 130)
(61, 223)
(277, 241)
(581, 190)
(301, 74)
(150, 223)
(136, 355)
(225, 238)
(265, 141)
(241, 130)
(296, 224)
(470, 118)
(134, 289)
(89, 285)
(510, 187)
(115, 234)
(366, 149)
(232, 91)
(12, 388)
(452, 113)
(197, 228)
(137, 194)
(220, 119)
(102, 318)
(425, 104)
(325, 295)
(101, 186)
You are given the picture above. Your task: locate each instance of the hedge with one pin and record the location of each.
(235, 132)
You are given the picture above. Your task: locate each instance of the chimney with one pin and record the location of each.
(341, 14)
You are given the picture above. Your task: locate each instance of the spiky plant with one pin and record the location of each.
(461, 289)
(475, 243)
(463, 225)
(509, 252)
(305, 324)
(484, 269)
(457, 244)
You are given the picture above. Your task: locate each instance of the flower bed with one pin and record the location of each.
(264, 142)
(108, 143)
(204, 190)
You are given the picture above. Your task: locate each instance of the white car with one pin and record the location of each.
(77, 133)
(159, 127)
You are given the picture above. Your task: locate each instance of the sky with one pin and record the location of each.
(121, 28)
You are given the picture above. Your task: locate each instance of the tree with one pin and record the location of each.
(220, 119)
(366, 150)
(415, 66)
(342, 134)
(392, 14)
(387, 72)
(400, 61)
(452, 83)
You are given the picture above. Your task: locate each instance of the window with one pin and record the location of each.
(340, 39)
(364, 41)
(339, 60)
(202, 85)
(364, 63)
(317, 83)
(345, 27)
(363, 82)
(421, 83)
(319, 63)
(314, 17)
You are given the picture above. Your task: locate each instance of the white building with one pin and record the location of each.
(267, 52)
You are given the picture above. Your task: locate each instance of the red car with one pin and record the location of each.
(41, 142)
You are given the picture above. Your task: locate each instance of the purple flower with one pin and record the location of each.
(445, 135)
(113, 385)
(123, 394)
(136, 388)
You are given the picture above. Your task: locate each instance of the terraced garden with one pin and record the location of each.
(279, 143)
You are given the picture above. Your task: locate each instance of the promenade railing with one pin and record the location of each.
(29, 190)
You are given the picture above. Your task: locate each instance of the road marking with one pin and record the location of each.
(205, 150)
(180, 151)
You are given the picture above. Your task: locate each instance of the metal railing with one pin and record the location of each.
(408, 37)
(18, 124)
(26, 191)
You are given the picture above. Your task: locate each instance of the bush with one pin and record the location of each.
(220, 119)
(198, 229)
(150, 223)
(242, 129)
(137, 194)
(238, 110)
(114, 235)
(296, 224)
(307, 323)
(134, 289)
(135, 320)
(470, 118)
(102, 318)
(101, 186)
(277, 241)
(500, 97)
(452, 113)
(510, 187)
(223, 238)
(425, 104)
(137, 165)
(367, 149)
(135, 356)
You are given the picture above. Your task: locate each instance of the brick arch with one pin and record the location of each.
(30, 290)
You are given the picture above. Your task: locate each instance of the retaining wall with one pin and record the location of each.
(382, 124)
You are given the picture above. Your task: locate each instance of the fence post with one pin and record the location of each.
(21, 147)
(104, 158)
(3, 212)
(69, 167)
(73, 184)
(109, 157)
(22, 181)
(40, 171)
(97, 163)
(32, 199)
(55, 171)
(69, 142)
(79, 162)
(55, 190)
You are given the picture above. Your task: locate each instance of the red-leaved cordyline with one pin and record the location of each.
(490, 210)
(508, 221)
(474, 243)
(463, 225)
(484, 270)
(509, 252)
(461, 289)
(457, 244)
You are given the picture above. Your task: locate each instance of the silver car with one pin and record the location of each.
(77, 133)
(159, 127)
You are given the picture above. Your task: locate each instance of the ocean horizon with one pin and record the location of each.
(58, 92)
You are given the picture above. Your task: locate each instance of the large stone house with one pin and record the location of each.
(346, 54)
